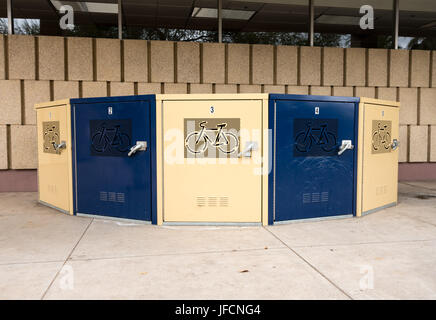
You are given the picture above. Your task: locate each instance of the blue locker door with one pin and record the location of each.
(311, 179)
(109, 182)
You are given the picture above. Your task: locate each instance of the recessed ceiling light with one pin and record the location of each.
(330, 19)
(94, 7)
(227, 13)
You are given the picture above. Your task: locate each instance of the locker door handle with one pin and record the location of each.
(59, 146)
(139, 146)
(395, 144)
(249, 147)
(346, 145)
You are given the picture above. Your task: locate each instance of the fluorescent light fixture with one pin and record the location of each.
(330, 19)
(227, 13)
(93, 7)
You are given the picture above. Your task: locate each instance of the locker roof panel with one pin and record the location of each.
(213, 96)
(301, 97)
(52, 104)
(147, 97)
(380, 102)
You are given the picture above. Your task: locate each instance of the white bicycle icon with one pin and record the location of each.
(198, 141)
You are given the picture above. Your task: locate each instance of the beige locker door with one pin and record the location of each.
(211, 189)
(380, 163)
(54, 169)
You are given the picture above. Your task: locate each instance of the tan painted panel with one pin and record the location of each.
(377, 172)
(211, 190)
(55, 169)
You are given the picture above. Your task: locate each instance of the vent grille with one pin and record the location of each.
(212, 201)
(381, 190)
(112, 197)
(316, 197)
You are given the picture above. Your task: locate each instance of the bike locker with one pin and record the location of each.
(314, 167)
(55, 180)
(212, 155)
(378, 143)
(114, 157)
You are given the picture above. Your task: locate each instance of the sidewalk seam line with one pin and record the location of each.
(310, 265)
(68, 257)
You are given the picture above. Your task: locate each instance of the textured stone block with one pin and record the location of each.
(51, 58)
(310, 66)
(408, 98)
(355, 67)
(298, 89)
(399, 68)
(404, 142)
(427, 114)
(238, 63)
(378, 67)
(200, 88)
(321, 91)
(188, 62)
(213, 63)
(93, 89)
(162, 61)
(135, 60)
(149, 88)
(250, 88)
(263, 64)
(122, 89)
(420, 68)
(175, 88)
(387, 93)
(333, 66)
(34, 92)
(2, 57)
(3, 148)
(23, 147)
(21, 57)
(274, 89)
(226, 88)
(418, 143)
(108, 59)
(287, 65)
(10, 97)
(343, 91)
(65, 89)
(80, 58)
(433, 144)
(368, 92)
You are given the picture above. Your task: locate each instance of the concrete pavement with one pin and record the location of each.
(390, 254)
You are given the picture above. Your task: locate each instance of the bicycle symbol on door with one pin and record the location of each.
(315, 137)
(51, 136)
(381, 136)
(110, 137)
(198, 142)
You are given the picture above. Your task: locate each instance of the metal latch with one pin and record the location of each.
(250, 146)
(395, 144)
(140, 146)
(346, 145)
(59, 146)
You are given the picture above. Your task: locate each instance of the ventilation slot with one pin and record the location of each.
(315, 197)
(120, 197)
(201, 201)
(224, 201)
(103, 196)
(324, 196)
(112, 197)
(212, 201)
(306, 197)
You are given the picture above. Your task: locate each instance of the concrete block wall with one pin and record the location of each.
(39, 68)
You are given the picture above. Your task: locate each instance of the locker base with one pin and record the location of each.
(379, 208)
(130, 221)
(314, 219)
(54, 207)
(240, 224)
